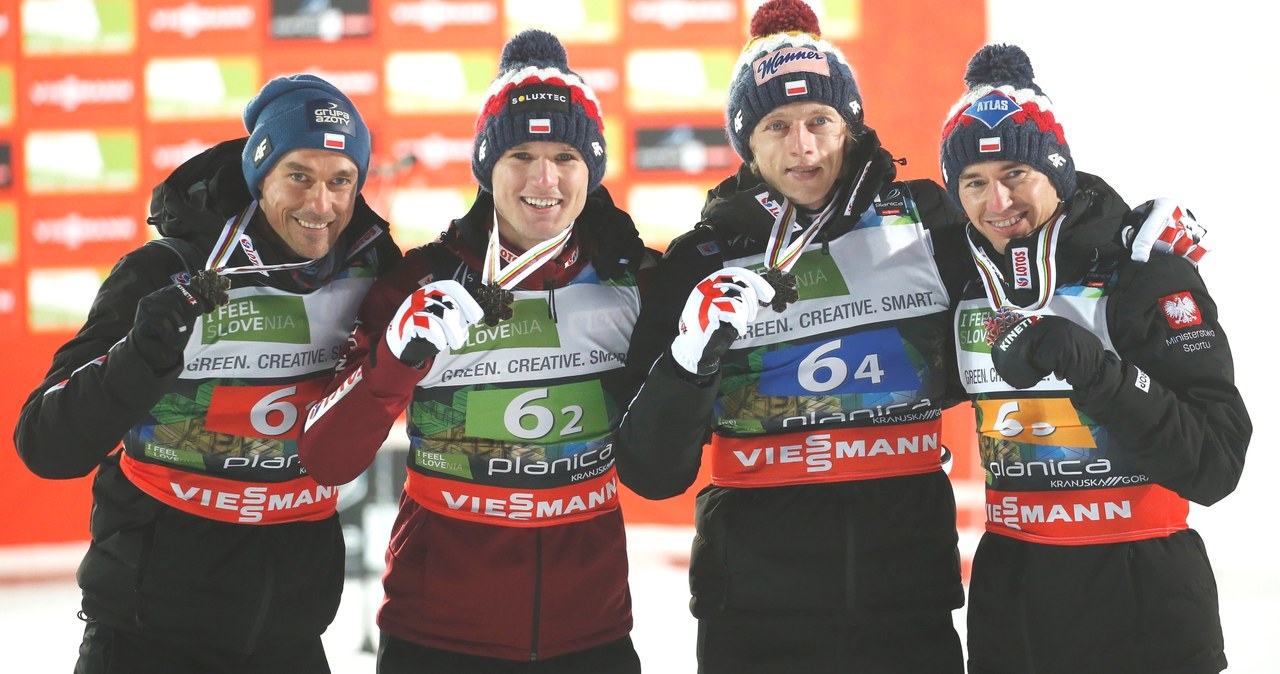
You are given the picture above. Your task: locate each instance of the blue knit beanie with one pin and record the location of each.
(1005, 116)
(537, 98)
(787, 61)
(301, 112)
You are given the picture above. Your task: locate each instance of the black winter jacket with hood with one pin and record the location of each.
(151, 568)
(1166, 400)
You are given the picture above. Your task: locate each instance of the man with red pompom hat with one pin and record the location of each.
(803, 325)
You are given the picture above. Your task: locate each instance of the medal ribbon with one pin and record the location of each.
(781, 256)
(1046, 269)
(236, 232)
(524, 265)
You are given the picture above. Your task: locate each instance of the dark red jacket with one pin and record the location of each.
(506, 592)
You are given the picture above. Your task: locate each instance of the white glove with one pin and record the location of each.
(1168, 228)
(717, 311)
(433, 317)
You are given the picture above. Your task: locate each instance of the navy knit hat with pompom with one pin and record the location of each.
(301, 112)
(787, 61)
(1005, 116)
(537, 98)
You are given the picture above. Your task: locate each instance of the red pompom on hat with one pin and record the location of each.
(784, 16)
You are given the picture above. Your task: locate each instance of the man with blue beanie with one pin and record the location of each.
(213, 550)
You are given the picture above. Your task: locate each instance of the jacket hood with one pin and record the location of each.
(201, 194)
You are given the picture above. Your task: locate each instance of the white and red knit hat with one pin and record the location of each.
(537, 98)
(787, 61)
(1005, 116)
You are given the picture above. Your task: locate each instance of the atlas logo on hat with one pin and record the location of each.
(1005, 116)
(992, 109)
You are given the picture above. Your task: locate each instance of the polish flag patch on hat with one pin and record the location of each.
(796, 88)
(1180, 309)
(540, 125)
(991, 144)
(335, 141)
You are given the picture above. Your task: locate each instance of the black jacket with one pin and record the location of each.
(860, 548)
(1145, 605)
(151, 568)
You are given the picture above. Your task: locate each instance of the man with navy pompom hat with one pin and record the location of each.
(213, 550)
(502, 345)
(1114, 407)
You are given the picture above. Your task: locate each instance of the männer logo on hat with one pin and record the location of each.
(790, 60)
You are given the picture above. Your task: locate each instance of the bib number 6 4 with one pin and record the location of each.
(874, 361)
(820, 371)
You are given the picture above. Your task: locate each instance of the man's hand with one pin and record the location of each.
(163, 321)
(1024, 350)
(434, 317)
(717, 311)
(1161, 225)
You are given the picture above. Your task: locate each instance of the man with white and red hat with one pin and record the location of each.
(503, 344)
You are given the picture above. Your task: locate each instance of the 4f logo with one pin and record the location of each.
(261, 152)
(480, 152)
(737, 121)
(595, 147)
(1057, 160)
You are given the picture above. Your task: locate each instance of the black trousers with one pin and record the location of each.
(742, 642)
(397, 656)
(107, 650)
(1148, 606)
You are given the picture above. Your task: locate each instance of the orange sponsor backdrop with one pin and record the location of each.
(92, 116)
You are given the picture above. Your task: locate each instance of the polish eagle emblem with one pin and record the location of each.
(1181, 310)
